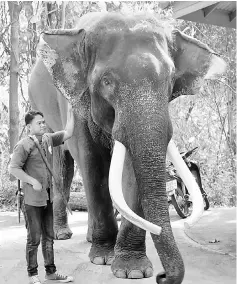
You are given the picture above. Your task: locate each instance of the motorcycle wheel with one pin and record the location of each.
(181, 204)
(207, 205)
(204, 195)
(181, 201)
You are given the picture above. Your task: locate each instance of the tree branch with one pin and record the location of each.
(227, 85)
(6, 28)
(64, 4)
(6, 48)
(189, 111)
(219, 114)
(27, 103)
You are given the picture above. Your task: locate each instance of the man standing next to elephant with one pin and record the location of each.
(28, 166)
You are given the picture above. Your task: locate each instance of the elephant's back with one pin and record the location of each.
(90, 19)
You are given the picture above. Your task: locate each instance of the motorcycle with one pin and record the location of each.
(177, 192)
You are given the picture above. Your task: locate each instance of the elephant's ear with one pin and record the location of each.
(194, 62)
(64, 55)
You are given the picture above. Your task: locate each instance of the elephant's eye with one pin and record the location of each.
(106, 81)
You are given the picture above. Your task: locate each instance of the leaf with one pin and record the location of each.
(23, 21)
(102, 6)
(214, 241)
(35, 19)
(116, 3)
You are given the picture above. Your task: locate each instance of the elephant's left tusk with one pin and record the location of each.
(189, 182)
(116, 193)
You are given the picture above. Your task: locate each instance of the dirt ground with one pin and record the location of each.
(208, 250)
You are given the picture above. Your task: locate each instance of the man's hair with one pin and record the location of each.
(31, 115)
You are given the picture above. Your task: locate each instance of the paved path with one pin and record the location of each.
(206, 263)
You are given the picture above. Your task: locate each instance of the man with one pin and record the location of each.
(28, 166)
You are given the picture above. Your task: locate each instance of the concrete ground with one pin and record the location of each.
(208, 250)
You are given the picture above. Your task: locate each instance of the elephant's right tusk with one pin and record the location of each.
(189, 182)
(116, 193)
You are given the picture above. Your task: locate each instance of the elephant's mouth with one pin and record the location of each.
(115, 188)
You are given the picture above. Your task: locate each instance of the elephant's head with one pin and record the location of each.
(131, 67)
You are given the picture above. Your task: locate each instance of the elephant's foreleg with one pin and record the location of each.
(130, 259)
(89, 229)
(130, 249)
(63, 165)
(95, 163)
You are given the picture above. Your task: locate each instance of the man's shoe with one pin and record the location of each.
(59, 278)
(34, 279)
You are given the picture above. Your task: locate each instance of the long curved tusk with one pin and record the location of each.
(116, 193)
(189, 182)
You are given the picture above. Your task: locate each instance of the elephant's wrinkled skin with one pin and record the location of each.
(119, 73)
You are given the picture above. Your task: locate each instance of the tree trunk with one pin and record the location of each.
(14, 10)
(232, 120)
(29, 13)
(63, 17)
(53, 15)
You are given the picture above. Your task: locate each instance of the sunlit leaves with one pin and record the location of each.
(23, 21)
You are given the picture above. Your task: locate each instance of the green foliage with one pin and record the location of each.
(7, 188)
(209, 119)
(202, 128)
(4, 43)
(8, 195)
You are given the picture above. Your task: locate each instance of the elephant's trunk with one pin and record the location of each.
(143, 128)
(147, 147)
(115, 188)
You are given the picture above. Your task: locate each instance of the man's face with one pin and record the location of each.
(37, 125)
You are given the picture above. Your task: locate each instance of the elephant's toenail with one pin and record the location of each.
(120, 274)
(109, 260)
(135, 274)
(98, 261)
(148, 272)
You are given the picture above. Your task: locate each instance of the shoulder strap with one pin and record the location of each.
(57, 182)
(33, 138)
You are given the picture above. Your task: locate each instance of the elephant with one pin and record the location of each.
(119, 72)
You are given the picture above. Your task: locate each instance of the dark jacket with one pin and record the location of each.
(26, 156)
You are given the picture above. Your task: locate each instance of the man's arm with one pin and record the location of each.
(18, 160)
(68, 131)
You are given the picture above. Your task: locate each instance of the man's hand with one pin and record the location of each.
(37, 185)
